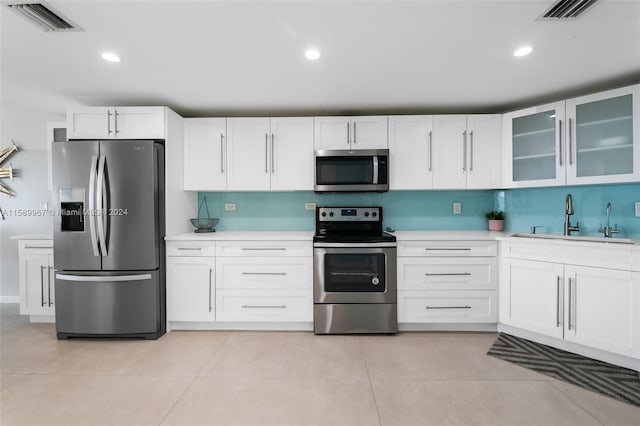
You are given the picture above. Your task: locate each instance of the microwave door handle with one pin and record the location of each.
(375, 169)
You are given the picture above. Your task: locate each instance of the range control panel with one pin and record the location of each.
(349, 214)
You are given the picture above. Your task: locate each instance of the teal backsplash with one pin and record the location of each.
(432, 210)
(406, 210)
(546, 206)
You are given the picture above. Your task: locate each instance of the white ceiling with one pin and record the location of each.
(242, 58)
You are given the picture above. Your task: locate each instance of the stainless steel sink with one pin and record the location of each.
(576, 238)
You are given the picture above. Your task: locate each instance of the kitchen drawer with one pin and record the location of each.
(431, 306)
(35, 247)
(264, 272)
(415, 273)
(447, 248)
(269, 305)
(190, 248)
(264, 248)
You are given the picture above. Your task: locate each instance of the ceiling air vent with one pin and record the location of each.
(567, 9)
(44, 16)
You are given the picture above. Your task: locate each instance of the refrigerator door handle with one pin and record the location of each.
(100, 206)
(92, 204)
(103, 278)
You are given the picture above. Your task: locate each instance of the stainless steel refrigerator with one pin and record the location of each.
(109, 230)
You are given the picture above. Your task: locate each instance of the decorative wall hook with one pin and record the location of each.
(8, 172)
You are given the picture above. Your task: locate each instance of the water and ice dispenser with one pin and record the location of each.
(72, 209)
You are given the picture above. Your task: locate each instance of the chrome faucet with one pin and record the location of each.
(568, 228)
(607, 230)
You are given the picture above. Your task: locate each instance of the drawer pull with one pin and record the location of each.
(262, 248)
(447, 249)
(264, 306)
(190, 248)
(448, 307)
(264, 273)
(38, 247)
(448, 274)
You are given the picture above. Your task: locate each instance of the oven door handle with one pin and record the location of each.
(355, 245)
(375, 168)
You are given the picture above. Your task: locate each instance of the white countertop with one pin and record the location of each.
(244, 236)
(31, 237)
(448, 235)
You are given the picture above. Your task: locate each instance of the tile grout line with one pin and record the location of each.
(553, 383)
(366, 367)
(186, 389)
(178, 400)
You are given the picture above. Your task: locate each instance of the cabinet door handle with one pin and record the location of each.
(471, 151)
(355, 138)
(348, 133)
(464, 151)
(453, 274)
(210, 273)
(447, 249)
(49, 285)
(264, 306)
(262, 248)
(221, 152)
(558, 302)
(266, 152)
(560, 141)
(115, 120)
(42, 285)
(38, 247)
(570, 142)
(448, 307)
(570, 303)
(273, 153)
(109, 122)
(190, 248)
(430, 150)
(264, 273)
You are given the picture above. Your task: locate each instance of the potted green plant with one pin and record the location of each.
(496, 220)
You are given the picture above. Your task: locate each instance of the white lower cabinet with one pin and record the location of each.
(262, 281)
(190, 284)
(36, 279)
(447, 282)
(591, 306)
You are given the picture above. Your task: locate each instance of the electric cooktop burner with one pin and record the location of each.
(350, 225)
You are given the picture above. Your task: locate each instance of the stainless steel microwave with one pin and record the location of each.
(343, 170)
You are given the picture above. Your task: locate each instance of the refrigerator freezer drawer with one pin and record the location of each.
(126, 305)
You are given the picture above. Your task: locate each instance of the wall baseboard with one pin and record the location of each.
(9, 299)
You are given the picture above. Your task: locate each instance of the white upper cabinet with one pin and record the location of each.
(602, 137)
(116, 123)
(587, 140)
(270, 154)
(466, 151)
(357, 132)
(484, 151)
(445, 151)
(533, 146)
(292, 154)
(411, 152)
(205, 151)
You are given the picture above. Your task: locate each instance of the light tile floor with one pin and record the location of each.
(280, 378)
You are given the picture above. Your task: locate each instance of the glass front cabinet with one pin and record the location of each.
(586, 140)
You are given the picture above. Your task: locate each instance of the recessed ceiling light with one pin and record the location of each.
(110, 57)
(312, 54)
(522, 51)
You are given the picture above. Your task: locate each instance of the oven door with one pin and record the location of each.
(354, 275)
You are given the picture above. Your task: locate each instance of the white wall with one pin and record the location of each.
(28, 128)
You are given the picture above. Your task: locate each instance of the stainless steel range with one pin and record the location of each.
(354, 272)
